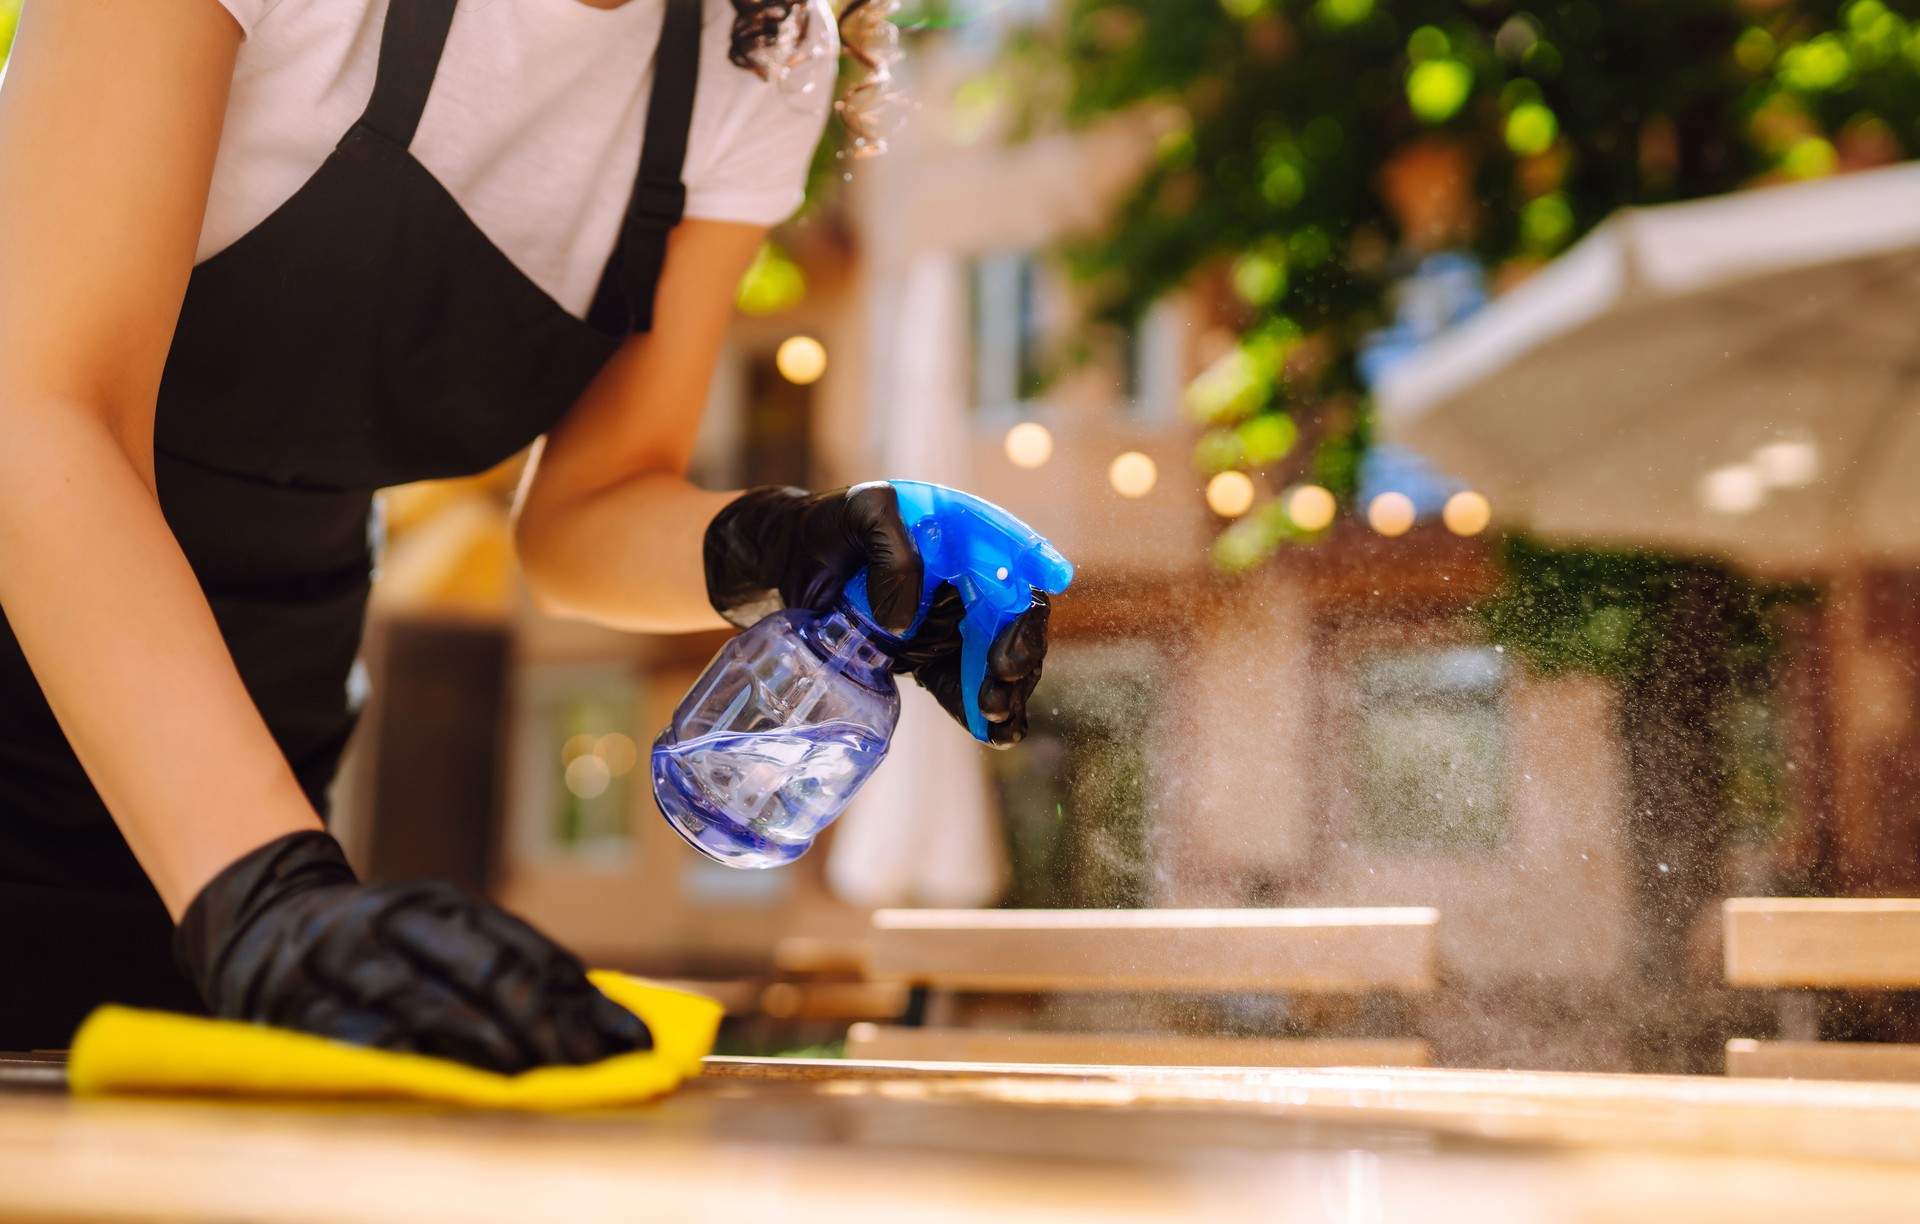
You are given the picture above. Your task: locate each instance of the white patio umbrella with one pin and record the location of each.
(1737, 376)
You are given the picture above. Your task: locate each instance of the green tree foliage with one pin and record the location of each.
(1610, 611)
(1312, 149)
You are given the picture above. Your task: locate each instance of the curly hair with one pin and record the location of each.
(763, 26)
(757, 25)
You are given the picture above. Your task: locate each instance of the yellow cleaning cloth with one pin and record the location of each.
(124, 1050)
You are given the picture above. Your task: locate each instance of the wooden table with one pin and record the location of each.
(780, 1142)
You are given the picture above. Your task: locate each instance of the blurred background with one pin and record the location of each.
(1481, 430)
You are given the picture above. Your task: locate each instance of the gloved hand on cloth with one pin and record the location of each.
(288, 936)
(777, 548)
(325, 987)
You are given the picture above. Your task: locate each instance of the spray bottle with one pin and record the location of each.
(793, 715)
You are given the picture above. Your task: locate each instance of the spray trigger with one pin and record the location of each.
(993, 560)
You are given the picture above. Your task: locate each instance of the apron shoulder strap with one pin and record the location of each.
(624, 302)
(411, 41)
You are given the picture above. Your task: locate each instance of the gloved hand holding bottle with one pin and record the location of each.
(777, 548)
(841, 592)
(287, 936)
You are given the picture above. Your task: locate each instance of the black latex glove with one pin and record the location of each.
(786, 548)
(287, 936)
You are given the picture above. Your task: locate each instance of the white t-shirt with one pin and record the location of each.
(534, 123)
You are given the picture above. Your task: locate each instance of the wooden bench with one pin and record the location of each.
(822, 978)
(1798, 943)
(1052, 952)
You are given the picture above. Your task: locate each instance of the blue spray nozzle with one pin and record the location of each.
(993, 559)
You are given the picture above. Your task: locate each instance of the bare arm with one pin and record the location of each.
(108, 126)
(609, 529)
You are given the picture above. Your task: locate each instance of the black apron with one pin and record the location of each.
(365, 334)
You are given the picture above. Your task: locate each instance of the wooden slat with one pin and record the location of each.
(1886, 1062)
(834, 1000)
(740, 996)
(892, 1042)
(1305, 950)
(1830, 942)
(809, 954)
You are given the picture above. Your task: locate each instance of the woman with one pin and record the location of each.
(261, 257)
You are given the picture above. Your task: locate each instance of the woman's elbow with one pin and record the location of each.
(537, 544)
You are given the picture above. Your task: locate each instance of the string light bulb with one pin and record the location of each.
(1391, 514)
(588, 776)
(1133, 474)
(1230, 494)
(1311, 508)
(1029, 445)
(801, 360)
(1467, 513)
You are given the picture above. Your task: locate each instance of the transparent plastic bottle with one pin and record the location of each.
(785, 726)
(793, 716)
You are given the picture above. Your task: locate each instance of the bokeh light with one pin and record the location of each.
(1738, 488)
(588, 776)
(577, 747)
(1391, 514)
(1230, 494)
(1788, 465)
(1467, 513)
(1133, 474)
(1029, 445)
(1311, 508)
(801, 360)
(619, 753)
(1531, 129)
(1438, 88)
(774, 283)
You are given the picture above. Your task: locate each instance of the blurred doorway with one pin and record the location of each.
(777, 444)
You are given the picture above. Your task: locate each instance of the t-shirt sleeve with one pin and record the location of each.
(248, 12)
(755, 169)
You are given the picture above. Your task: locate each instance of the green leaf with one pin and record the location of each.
(1531, 129)
(1819, 65)
(1339, 14)
(1260, 278)
(1268, 437)
(1438, 88)
(773, 283)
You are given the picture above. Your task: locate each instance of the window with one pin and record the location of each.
(1009, 330)
(718, 886)
(577, 760)
(1153, 362)
(1431, 748)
